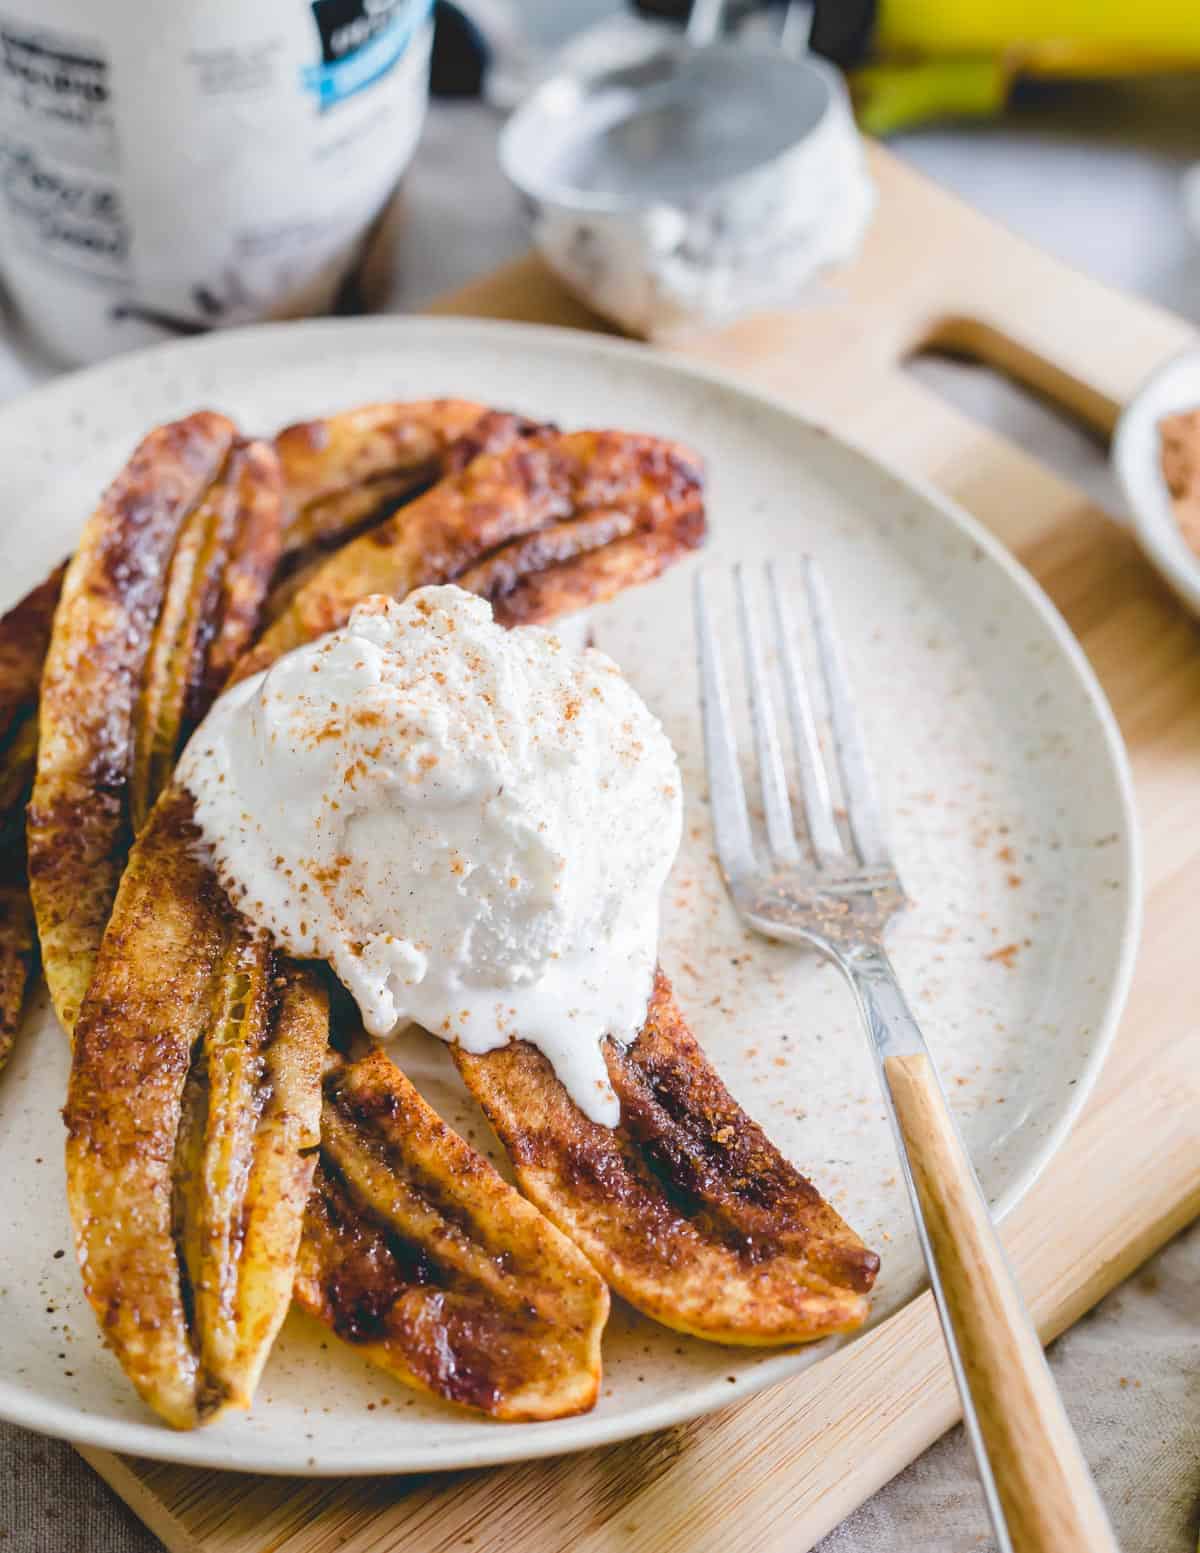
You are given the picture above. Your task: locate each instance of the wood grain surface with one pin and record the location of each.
(782, 1468)
(1048, 1499)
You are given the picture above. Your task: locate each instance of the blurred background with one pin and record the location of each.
(211, 163)
(1087, 155)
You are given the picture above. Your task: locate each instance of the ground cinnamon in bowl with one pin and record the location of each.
(1179, 440)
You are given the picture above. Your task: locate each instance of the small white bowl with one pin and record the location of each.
(1137, 460)
(691, 185)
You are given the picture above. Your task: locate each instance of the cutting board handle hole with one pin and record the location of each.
(976, 339)
(1019, 411)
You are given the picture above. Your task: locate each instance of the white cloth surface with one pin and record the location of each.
(1095, 178)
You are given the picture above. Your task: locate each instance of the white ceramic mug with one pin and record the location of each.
(688, 186)
(171, 167)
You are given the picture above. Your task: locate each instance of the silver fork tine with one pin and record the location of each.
(730, 818)
(862, 806)
(777, 810)
(823, 830)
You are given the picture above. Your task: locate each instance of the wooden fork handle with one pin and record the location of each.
(1042, 1481)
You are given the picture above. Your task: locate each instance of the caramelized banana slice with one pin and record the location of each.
(504, 569)
(17, 948)
(253, 552)
(343, 513)
(243, 1176)
(493, 432)
(206, 616)
(575, 565)
(17, 936)
(167, 1055)
(542, 480)
(133, 1050)
(24, 638)
(331, 520)
(192, 1119)
(324, 458)
(17, 763)
(418, 1253)
(687, 1208)
(79, 812)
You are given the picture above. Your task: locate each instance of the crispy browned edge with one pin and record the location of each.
(603, 485)
(420, 1255)
(541, 481)
(188, 1262)
(687, 1208)
(82, 818)
(508, 578)
(173, 565)
(326, 456)
(225, 552)
(537, 581)
(158, 979)
(155, 1379)
(232, 608)
(78, 817)
(24, 638)
(345, 464)
(817, 1280)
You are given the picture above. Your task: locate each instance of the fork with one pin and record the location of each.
(838, 895)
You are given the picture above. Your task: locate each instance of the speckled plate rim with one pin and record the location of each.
(521, 1442)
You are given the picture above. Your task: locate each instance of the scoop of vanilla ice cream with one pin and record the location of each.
(472, 825)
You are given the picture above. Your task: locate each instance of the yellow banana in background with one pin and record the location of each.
(919, 59)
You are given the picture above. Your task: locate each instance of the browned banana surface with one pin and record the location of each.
(133, 1051)
(18, 940)
(158, 714)
(256, 479)
(244, 1176)
(494, 431)
(78, 823)
(615, 485)
(540, 481)
(206, 616)
(24, 638)
(17, 762)
(331, 520)
(192, 1118)
(687, 1208)
(498, 576)
(419, 1254)
(326, 457)
(575, 565)
(16, 949)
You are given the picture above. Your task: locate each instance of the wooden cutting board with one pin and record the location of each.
(781, 1469)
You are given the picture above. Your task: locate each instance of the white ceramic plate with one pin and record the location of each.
(1136, 457)
(1003, 776)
